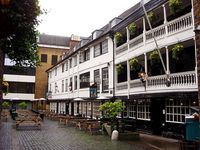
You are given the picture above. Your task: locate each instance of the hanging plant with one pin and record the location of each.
(152, 16)
(5, 87)
(5, 105)
(119, 68)
(175, 5)
(134, 64)
(154, 57)
(118, 37)
(176, 51)
(132, 28)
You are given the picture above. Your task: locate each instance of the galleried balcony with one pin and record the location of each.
(164, 22)
(145, 74)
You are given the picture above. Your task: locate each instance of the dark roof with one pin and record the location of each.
(54, 40)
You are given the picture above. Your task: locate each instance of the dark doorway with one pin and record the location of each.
(72, 108)
(67, 108)
(157, 115)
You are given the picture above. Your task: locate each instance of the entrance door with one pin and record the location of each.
(157, 115)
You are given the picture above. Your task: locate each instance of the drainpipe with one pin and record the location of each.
(111, 35)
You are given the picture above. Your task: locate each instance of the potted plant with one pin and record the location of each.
(134, 64)
(176, 51)
(152, 17)
(110, 111)
(132, 28)
(175, 6)
(119, 68)
(118, 37)
(23, 105)
(5, 105)
(154, 57)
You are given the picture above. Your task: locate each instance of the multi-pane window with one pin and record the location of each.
(62, 85)
(85, 80)
(63, 67)
(70, 63)
(50, 74)
(66, 85)
(84, 56)
(105, 80)
(125, 110)
(66, 65)
(104, 47)
(21, 87)
(75, 82)
(143, 110)
(55, 71)
(54, 59)
(176, 110)
(49, 87)
(75, 60)
(97, 50)
(55, 87)
(101, 48)
(70, 84)
(132, 110)
(44, 58)
(97, 79)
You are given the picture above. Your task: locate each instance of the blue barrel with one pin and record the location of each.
(192, 129)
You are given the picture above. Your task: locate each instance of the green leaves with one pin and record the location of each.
(176, 51)
(132, 28)
(112, 109)
(134, 64)
(119, 68)
(175, 5)
(23, 105)
(21, 44)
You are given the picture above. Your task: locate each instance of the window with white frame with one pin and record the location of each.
(75, 82)
(97, 50)
(70, 84)
(125, 110)
(63, 67)
(55, 71)
(104, 47)
(143, 109)
(84, 56)
(50, 87)
(70, 63)
(50, 74)
(75, 60)
(97, 79)
(66, 85)
(132, 109)
(66, 65)
(105, 81)
(85, 80)
(62, 85)
(177, 109)
(56, 87)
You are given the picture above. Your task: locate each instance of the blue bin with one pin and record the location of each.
(192, 129)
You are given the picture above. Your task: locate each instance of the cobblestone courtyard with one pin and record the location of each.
(55, 137)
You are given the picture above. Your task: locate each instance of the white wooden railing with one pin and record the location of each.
(178, 80)
(172, 27)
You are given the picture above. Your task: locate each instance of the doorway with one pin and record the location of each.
(157, 115)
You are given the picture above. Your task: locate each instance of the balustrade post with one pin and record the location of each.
(165, 19)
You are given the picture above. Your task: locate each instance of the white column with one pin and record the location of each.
(165, 18)
(145, 66)
(167, 58)
(144, 31)
(128, 77)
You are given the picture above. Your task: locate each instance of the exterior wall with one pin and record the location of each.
(41, 75)
(99, 62)
(196, 10)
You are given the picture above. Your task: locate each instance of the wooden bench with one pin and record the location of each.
(28, 121)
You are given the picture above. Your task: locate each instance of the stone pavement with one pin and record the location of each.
(55, 137)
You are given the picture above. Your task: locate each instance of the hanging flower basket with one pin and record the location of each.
(119, 68)
(134, 64)
(152, 16)
(175, 6)
(154, 57)
(132, 28)
(5, 87)
(176, 51)
(118, 37)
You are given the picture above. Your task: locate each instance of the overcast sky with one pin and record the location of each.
(79, 17)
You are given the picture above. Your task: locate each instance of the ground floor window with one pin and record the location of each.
(130, 109)
(177, 109)
(143, 109)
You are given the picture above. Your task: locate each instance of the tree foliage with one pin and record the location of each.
(21, 42)
(112, 109)
(23, 105)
